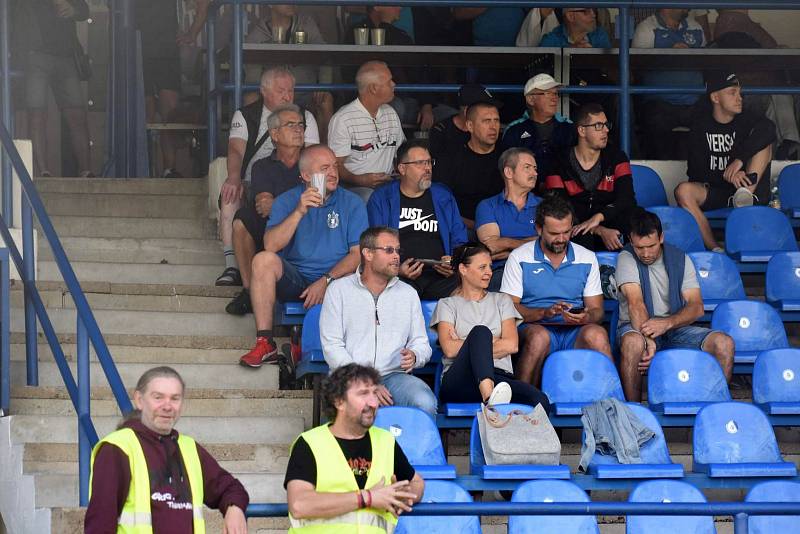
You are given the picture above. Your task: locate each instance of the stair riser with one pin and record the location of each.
(130, 227)
(108, 205)
(156, 303)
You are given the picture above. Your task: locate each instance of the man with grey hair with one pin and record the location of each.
(249, 141)
(310, 240)
(427, 217)
(506, 221)
(365, 133)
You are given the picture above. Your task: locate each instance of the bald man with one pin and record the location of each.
(366, 133)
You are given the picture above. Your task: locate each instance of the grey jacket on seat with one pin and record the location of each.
(612, 428)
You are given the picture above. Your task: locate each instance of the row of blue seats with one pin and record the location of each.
(562, 491)
(733, 445)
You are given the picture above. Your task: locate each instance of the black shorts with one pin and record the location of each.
(161, 74)
(255, 224)
(718, 195)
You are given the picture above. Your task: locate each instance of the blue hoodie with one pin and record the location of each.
(383, 209)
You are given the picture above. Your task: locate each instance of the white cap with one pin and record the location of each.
(542, 82)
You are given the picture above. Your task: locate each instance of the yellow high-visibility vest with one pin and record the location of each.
(334, 475)
(136, 517)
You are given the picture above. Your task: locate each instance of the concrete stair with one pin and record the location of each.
(147, 257)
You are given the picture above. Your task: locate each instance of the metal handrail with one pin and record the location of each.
(740, 511)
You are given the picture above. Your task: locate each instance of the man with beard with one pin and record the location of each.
(555, 286)
(349, 473)
(659, 299)
(372, 318)
(427, 217)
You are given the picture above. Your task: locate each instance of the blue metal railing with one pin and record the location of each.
(740, 511)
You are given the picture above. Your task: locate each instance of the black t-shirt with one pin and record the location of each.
(419, 228)
(357, 452)
(445, 138)
(270, 175)
(158, 22)
(471, 176)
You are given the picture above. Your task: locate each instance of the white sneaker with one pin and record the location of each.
(742, 197)
(501, 394)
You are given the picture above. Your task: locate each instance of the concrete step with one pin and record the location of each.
(150, 355)
(137, 251)
(140, 205)
(170, 341)
(122, 288)
(133, 227)
(58, 299)
(146, 273)
(184, 187)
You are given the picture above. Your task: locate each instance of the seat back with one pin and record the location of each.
(753, 325)
(653, 451)
(758, 229)
(427, 311)
(776, 376)
(667, 491)
(440, 491)
(718, 276)
(733, 433)
(685, 375)
(310, 340)
(607, 258)
(773, 491)
(783, 277)
(680, 228)
(549, 491)
(476, 457)
(580, 375)
(789, 186)
(416, 433)
(648, 187)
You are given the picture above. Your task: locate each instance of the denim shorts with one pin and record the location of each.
(685, 337)
(291, 284)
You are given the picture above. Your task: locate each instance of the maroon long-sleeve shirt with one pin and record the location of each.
(171, 498)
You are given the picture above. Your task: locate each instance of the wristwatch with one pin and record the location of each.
(328, 278)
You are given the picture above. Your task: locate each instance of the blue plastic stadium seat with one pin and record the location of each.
(667, 491)
(782, 287)
(680, 228)
(440, 491)
(774, 491)
(734, 439)
(310, 341)
(648, 187)
(718, 277)
(607, 258)
(477, 462)
(549, 491)
(419, 438)
(776, 381)
(452, 409)
(789, 189)
(756, 233)
(656, 462)
(754, 326)
(573, 378)
(681, 381)
(433, 337)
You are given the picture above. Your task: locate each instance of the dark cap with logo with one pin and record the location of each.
(717, 80)
(471, 94)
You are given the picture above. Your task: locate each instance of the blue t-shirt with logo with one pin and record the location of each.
(513, 223)
(325, 234)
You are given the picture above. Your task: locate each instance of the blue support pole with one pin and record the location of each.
(5, 96)
(740, 523)
(5, 334)
(624, 79)
(211, 69)
(84, 412)
(29, 268)
(236, 50)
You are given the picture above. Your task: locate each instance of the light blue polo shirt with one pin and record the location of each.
(325, 234)
(513, 223)
(530, 276)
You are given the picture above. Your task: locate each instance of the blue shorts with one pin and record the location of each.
(685, 337)
(291, 284)
(561, 337)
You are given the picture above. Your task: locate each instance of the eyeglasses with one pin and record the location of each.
(598, 125)
(584, 11)
(421, 162)
(553, 94)
(389, 250)
(294, 125)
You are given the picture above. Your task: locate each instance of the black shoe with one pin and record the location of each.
(240, 305)
(229, 277)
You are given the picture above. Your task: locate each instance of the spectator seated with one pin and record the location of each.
(440, 491)
(419, 438)
(782, 287)
(648, 187)
(682, 381)
(680, 228)
(776, 381)
(667, 491)
(773, 491)
(754, 234)
(574, 378)
(548, 491)
(477, 462)
(656, 462)
(734, 439)
(718, 277)
(789, 190)
(753, 325)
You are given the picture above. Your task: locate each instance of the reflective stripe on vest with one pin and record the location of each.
(334, 475)
(136, 517)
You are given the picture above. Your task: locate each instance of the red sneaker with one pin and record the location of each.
(262, 352)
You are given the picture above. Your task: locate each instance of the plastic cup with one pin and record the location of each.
(378, 36)
(361, 36)
(318, 180)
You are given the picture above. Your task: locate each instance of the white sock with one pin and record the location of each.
(230, 258)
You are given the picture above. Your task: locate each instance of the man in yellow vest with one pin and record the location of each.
(349, 476)
(147, 478)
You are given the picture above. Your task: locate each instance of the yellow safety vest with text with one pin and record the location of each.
(334, 475)
(136, 517)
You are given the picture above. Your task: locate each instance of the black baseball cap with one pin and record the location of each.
(474, 93)
(720, 79)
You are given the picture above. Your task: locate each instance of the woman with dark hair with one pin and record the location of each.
(478, 334)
